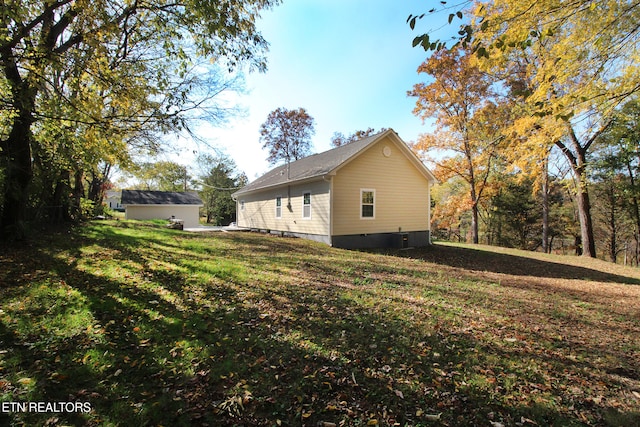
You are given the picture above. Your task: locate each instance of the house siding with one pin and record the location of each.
(189, 213)
(259, 211)
(401, 193)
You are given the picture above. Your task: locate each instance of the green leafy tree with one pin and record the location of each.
(219, 181)
(616, 171)
(101, 77)
(519, 215)
(162, 176)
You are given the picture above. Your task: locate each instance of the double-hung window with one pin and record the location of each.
(306, 205)
(278, 207)
(367, 204)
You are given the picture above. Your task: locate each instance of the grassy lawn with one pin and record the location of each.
(151, 326)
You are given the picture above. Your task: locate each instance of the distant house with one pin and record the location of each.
(162, 205)
(370, 193)
(113, 200)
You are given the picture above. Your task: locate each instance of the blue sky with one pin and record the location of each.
(349, 63)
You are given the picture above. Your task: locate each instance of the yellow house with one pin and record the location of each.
(370, 193)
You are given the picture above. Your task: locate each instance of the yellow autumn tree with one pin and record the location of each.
(581, 62)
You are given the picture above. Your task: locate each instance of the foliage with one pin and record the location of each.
(462, 100)
(616, 172)
(153, 326)
(519, 216)
(510, 215)
(338, 139)
(599, 66)
(287, 134)
(90, 83)
(218, 181)
(576, 62)
(596, 37)
(161, 176)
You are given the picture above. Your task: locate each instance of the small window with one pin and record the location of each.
(367, 203)
(306, 205)
(241, 205)
(278, 207)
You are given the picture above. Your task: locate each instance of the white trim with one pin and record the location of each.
(331, 211)
(310, 205)
(361, 204)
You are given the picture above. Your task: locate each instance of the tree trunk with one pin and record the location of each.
(474, 223)
(16, 149)
(19, 172)
(578, 162)
(586, 224)
(60, 201)
(613, 249)
(635, 205)
(545, 209)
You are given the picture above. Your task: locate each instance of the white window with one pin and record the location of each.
(278, 207)
(367, 204)
(306, 205)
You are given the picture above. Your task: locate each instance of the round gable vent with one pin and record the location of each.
(386, 151)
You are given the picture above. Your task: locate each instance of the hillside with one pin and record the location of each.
(150, 326)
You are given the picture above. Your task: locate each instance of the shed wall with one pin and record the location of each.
(190, 214)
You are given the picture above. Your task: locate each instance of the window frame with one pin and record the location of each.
(363, 204)
(278, 207)
(309, 205)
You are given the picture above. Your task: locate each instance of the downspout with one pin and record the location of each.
(330, 181)
(429, 210)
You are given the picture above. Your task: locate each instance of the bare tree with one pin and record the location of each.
(287, 134)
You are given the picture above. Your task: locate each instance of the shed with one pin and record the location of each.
(162, 205)
(370, 193)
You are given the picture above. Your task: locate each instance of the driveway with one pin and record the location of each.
(202, 228)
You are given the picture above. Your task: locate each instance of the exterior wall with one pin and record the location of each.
(401, 193)
(112, 200)
(258, 210)
(189, 213)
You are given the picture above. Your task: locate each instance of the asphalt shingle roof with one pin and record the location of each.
(313, 166)
(139, 197)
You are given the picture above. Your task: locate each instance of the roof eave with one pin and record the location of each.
(279, 185)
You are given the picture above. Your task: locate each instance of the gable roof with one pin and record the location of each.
(139, 197)
(326, 163)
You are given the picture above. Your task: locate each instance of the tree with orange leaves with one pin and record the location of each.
(462, 100)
